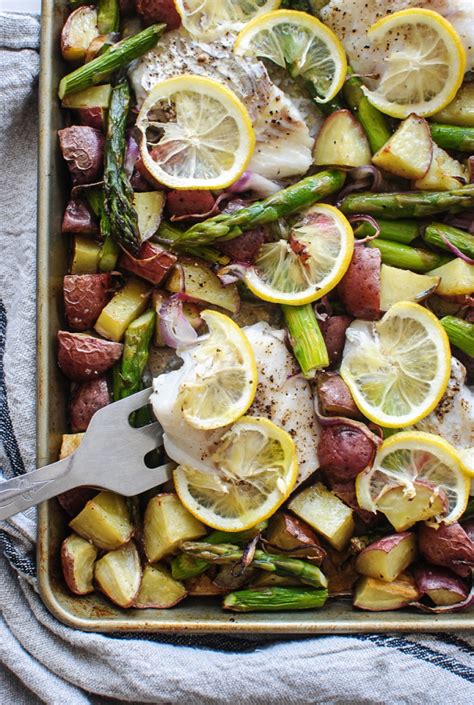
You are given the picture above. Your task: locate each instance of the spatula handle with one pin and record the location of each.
(23, 492)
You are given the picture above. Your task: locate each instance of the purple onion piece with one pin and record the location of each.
(456, 251)
(233, 273)
(363, 178)
(367, 219)
(464, 221)
(175, 329)
(132, 154)
(247, 557)
(250, 181)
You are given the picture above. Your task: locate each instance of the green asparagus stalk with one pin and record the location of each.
(404, 231)
(108, 16)
(410, 204)
(460, 333)
(103, 66)
(109, 252)
(275, 599)
(437, 233)
(118, 191)
(136, 349)
(374, 122)
(184, 566)
(225, 553)
(406, 257)
(168, 235)
(306, 339)
(226, 226)
(453, 137)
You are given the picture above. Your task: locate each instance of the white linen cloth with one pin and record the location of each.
(44, 661)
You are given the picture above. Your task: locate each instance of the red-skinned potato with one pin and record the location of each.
(341, 142)
(441, 585)
(159, 11)
(83, 149)
(79, 30)
(289, 535)
(92, 117)
(359, 289)
(118, 575)
(85, 295)
(158, 590)
(153, 264)
(78, 218)
(386, 558)
(83, 357)
(346, 492)
(73, 501)
(186, 204)
(468, 527)
(379, 596)
(77, 561)
(87, 398)
(447, 546)
(334, 396)
(334, 334)
(403, 510)
(344, 451)
(245, 247)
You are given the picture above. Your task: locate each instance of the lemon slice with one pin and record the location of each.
(398, 368)
(256, 469)
(424, 63)
(307, 265)
(467, 460)
(199, 132)
(209, 19)
(302, 44)
(414, 460)
(224, 375)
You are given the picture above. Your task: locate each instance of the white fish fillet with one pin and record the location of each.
(282, 397)
(284, 142)
(350, 19)
(453, 418)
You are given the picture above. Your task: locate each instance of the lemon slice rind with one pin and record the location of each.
(211, 140)
(256, 469)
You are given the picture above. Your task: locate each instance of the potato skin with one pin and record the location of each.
(79, 219)
(293, 537)
(73, 501)
(78, 32)
(85, 295)
(245, 247)
(447, 546)
(344, 451)
(92, 117)
(429, 577)
(83, 357)
(334, 334)
(153, 264)
(189, 203)
(334, 396)
(359, 289)
(83, 149)
(87, 398)
(347, 494)
(159, 11)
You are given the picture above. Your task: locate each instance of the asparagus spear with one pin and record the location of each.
(117, 56)
(226, 226)
(403, 231)
(453, 137)
(108, 16)
(412, 204)
(274, 599)
(168, 235)
(185, 566)
(306, 339)
(122, 215)
(436, 234)
(460, 333)
(135, 355)
(375, 124)
(406, 257)
(225, 553)
(109, 251)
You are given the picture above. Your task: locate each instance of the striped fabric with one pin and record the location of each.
(44, 661)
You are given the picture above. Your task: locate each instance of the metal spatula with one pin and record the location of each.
(111, 456)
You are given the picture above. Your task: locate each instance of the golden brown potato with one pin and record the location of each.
(77, 561)
(105, 520)
(118, 575)
(379, 596)
(388, 557)
(78, 32)
(166, 525)
(158, 590)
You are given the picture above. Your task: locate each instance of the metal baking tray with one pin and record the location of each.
(93, 612)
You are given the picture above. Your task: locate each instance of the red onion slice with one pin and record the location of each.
(132, 153)
(250, 181)
(456, 251)
(367, 219)
(175, 329)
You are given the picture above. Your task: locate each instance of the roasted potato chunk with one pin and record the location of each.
(77, 561)
(83, 150)
(118, 575)
(334, 396)
(125, 306)
(86, 399)
(386, 558)
(105, 520)
(448, 546)
(83, 357)
(158, 590)
(441, 585)
(359, 289)
(288, 534)
(79, 30)
(379, 596)
(167, 524)
(203, 285)
(85, 295)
